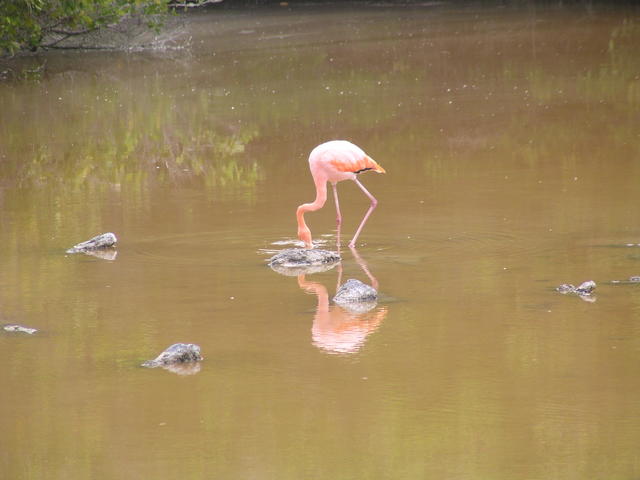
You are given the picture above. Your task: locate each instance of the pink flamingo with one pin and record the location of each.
(333, 162)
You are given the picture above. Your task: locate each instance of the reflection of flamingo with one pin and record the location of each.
(335, 329)
(333, 162)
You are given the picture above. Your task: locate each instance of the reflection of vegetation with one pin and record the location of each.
(618, 78)
(129, 140)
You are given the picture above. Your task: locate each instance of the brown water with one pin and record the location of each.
(511, 138)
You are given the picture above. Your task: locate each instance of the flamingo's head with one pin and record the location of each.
(304, 234)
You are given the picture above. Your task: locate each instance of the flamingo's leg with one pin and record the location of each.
(338, 215)
(372, 207)
(335, 199)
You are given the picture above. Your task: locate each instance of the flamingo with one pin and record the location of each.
(333, 162)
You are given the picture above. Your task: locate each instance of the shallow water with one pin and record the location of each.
(511, 141)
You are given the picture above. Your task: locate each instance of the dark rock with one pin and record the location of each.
(296, 261)
(20, 328)
(176, 354)
(354, 291)
(105, 240)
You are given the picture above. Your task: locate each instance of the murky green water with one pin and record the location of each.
(511, 138)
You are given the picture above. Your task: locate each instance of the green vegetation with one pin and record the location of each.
(33, 24)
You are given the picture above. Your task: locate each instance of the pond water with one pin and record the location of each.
(511, 141)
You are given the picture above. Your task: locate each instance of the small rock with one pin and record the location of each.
(176, 353)
(585, 288)
(105, 240)
(354, 291)
(20, 328)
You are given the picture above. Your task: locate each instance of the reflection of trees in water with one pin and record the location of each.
(614, 79)
(88, 133)
(617, 79)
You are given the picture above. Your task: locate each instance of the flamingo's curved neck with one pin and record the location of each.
(318, 203)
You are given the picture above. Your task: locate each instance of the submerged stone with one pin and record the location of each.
(20, 328)
(104, 240)
(354, 291)
(296, 261)
(176, 354)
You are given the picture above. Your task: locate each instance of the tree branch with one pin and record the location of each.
(193, 4)
(87, 47)
(74, 33)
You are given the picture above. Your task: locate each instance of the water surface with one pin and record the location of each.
(511, 141)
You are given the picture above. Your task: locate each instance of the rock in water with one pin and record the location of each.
(295, 257)
(354, 291)
(176, 353)
(105, 240)
(296, 261)
(20, 328)
(585, 288)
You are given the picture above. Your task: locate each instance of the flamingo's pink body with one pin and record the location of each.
(333, 162)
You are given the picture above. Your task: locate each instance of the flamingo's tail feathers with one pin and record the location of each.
(373, 165)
